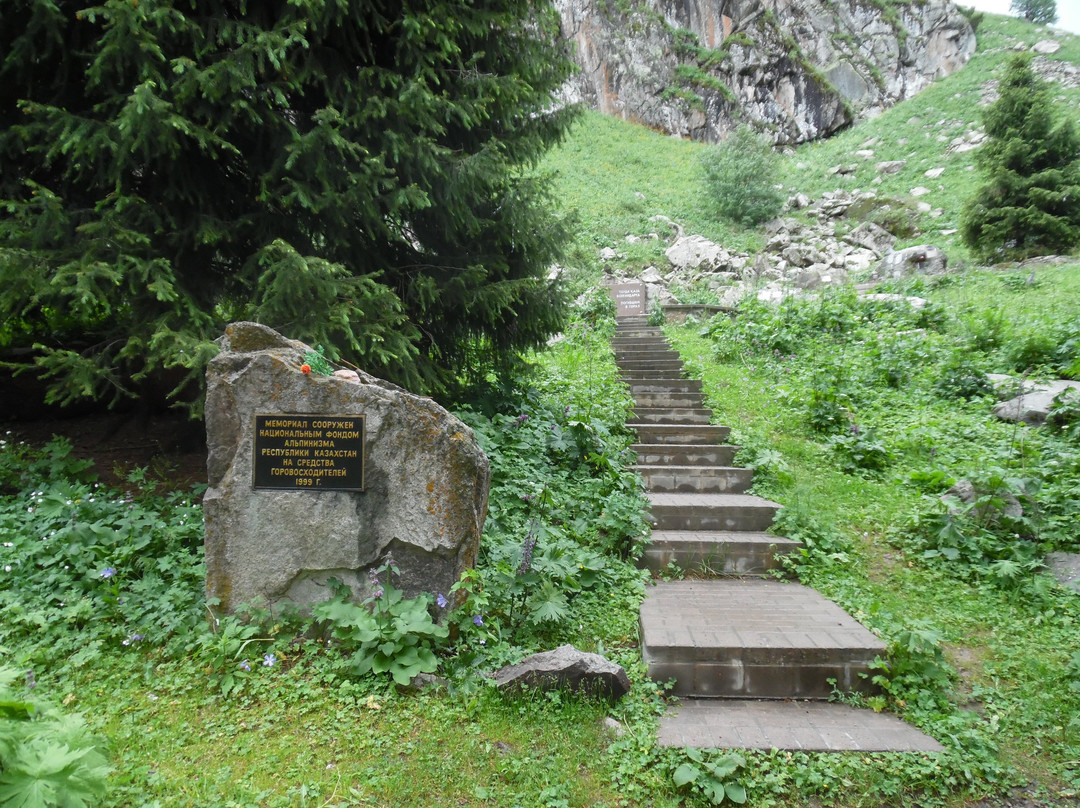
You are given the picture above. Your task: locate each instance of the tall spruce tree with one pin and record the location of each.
(356, 173)
(1030, 204)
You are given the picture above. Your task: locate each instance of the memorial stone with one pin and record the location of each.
(314, 477)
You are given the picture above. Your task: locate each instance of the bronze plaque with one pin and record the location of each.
(308, 453)
(629, 298)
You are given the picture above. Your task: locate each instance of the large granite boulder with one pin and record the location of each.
(424, 496)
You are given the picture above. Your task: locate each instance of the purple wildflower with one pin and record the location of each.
(478, 620)
(441, 601)
(244, 666)
(521, 419)
(527, 551)
(108, 572)
(134, 638)
(269, 660)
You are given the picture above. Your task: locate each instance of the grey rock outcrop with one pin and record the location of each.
(922, 260)
(566, 668)
(424, 498)
(1033, 405)
(799, 68)
(696, 252)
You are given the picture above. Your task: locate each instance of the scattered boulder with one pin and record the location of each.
(917, 303)
(1033, 406)
(566, 668)
(1065, 567)
(890, 166)
(1046, 46)
(922, 260)
(613, 726)
(872, 237)
(651, 275)
(696, 252)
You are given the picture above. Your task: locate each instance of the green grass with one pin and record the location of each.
(613, 177)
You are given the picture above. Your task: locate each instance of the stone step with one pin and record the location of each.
(639, 385)
(631, 332)
(644, 354)
(672, 415)
(710, 511)
(693, 454)
(753, 638)
(663, 374)
(711, 479)
(706, 434)
(667, 398)
(811, 726)
(658, 341)
(717, 552)
(631, 367)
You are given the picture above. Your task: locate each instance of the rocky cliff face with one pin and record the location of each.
(798, 69)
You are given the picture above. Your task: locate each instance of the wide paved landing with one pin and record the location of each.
(807, 725)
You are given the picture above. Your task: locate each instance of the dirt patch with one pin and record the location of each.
(170, 446)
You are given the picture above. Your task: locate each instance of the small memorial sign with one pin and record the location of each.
(308, 452)
(629, 298)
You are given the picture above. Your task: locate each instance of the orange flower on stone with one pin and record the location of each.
(305, 369)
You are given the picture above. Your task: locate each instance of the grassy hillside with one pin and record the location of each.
(614, 176)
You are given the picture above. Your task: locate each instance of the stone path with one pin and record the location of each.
(728, 637)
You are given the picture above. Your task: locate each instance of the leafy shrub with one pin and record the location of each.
(985, 329)
(1035, 347)
(710, 774)
(962, 377)
(740, 177)
(1065, 414)
(46, 758)
(21, 466)
(860, 450)
(914, 670)
(980, 538)
(387, 633)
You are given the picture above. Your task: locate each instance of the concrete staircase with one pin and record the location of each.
(727, 636)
